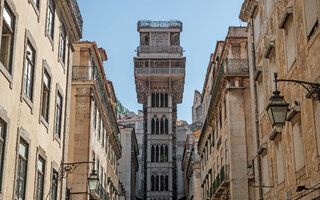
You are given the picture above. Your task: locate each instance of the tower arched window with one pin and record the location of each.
(153, 100)
(153, 126)
(157, 153)
(166, 100)
(152, 183)
(152, 153)
(166, 153)
(157, 100)
(157, 126)
(166, 126)
(162, 181)
(157, 183)
(162, 124)
(166, 183)
(162, 157)
(162, 100)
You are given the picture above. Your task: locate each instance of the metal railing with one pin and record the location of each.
(91, 73)
(142, 71)
(100, 193)
(77, 14)
(222, 176)
(159, 63)
(159, 24)
(236, 65)
(159, 49)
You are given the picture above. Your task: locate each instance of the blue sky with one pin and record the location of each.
(112, 24)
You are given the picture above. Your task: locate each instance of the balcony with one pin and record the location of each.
(99, 193)
(221, 182)
(236, 65)
(159, 24)
(77, 18)
(91, 73)
(159, 49)
(159, 71)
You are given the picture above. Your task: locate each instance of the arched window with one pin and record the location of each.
(166, 183)
(166, 100)
(152, 183)
(162, 154)
(162, 183)
(166, 153)
(153, 100)
(152, 153)
(152, 126)
(157, 100)
(157, 153)
(162, 101)
(166, 126)
(157, 126)
(157, 183)
(162, 124)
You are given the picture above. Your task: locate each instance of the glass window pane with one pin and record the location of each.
(22, 150)
(7, 17)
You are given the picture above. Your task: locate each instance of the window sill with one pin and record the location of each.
(7, 74)
(44, 122)
(27, 100)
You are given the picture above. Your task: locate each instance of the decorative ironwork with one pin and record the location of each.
(159, 24)
(68, 168)
(159, 49)
(313, 89)
(236, 65)
(156, 71)
(73, 4)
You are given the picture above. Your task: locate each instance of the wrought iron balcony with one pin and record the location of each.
(236, 65)
(221, 181)
(99, 193)
(74, 7)
(159, 49)
(159, 71)
(91, 73)
(159, 24)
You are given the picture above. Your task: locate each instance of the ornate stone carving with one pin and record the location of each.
(142, 91)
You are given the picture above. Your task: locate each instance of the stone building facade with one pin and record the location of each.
(159, 77)
(283, 37)
(35, 82)
(93, 126)
(137, 122)
(225, 140)
(191, 167)
(128, 164)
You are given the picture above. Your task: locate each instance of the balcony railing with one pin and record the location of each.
(99, 193)
(158, 71)
(221, 181)
(159, 49)
(159, 24)
(159, 63)
(91, 73)
(236, 65)
(73, 4)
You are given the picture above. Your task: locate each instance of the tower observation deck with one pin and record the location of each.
(159, 70)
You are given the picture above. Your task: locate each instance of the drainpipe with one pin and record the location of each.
(253, 55)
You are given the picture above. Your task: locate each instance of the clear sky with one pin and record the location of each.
(112, 24)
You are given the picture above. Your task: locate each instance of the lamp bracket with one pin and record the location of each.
(68, 168)
(312, 88)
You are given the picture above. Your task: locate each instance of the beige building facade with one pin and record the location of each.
(35, 80)
(93, 127)
(225, 140)
(191, 167)
(283, 37)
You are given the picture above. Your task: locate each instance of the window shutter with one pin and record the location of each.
(311, 14)
(290, 45)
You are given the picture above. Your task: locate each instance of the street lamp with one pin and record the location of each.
(277, 108)
(93, 181)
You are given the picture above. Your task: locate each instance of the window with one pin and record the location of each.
(54, 190)
(95, 116)
(50, 19)
(311, 16)
(58, 115)
(98, 167)
(174, 39)
(22, 171)
(226, 152)
(152, 183)
(36, 2)
(103, 131)
(260, 95)
(45, 95)
(62, 44)
(298, 143)
(265, 174)
(40, 178)
(2, 144)
(7, 38)
(290, 44)
(94, 158)
(29, 71)
(99, 126)
(280, 171)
